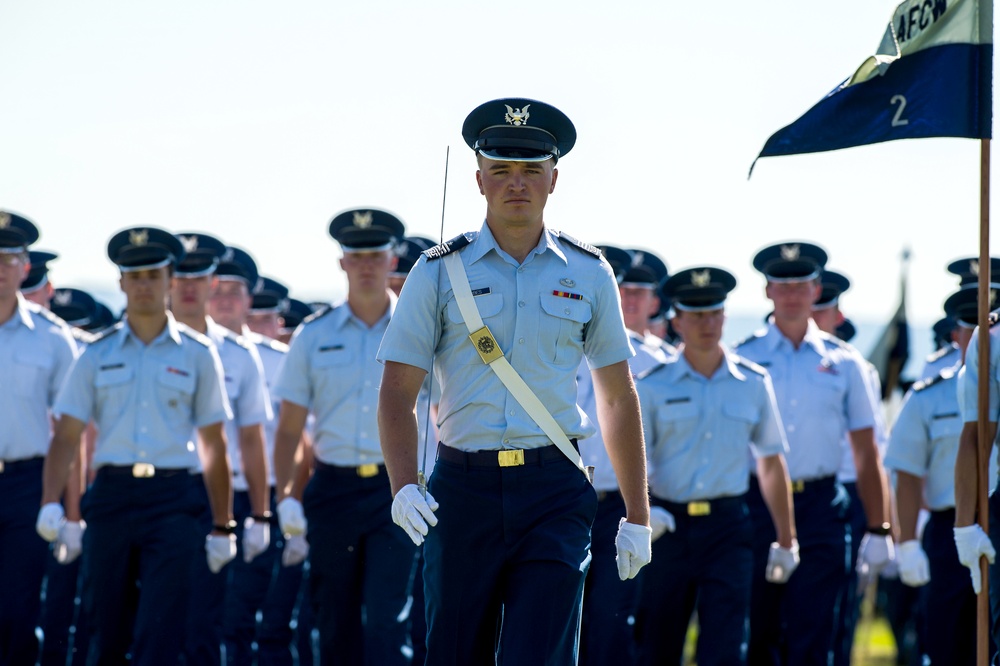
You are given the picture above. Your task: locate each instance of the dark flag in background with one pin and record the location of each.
(931, 76)
(892, 349)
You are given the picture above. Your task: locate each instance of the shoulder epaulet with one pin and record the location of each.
(81, 335)
(194, 335)
(271, 343)
(449, 246)
(750, 365)
(753, 336)
(586, 247)
(941, 353)
(107, 333)
(947, 373)
(835, 342)
(233, 336)
(322, 312)
(49, 316)
(648, 371)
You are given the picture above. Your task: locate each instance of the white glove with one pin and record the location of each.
(781, 562)
(69, 545)
(660, 521)
(50, 519)
(874, 554)
(290, 517)
(296, 550)
(971, 543)
(414, 512)
(634, 546)
(220, 550)
(914, 569)
(256, 537)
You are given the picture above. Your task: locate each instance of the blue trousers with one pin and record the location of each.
(286, 618)
(361, 565)
(22, 560)
(504, 568)
(707, 563)
(849, 601)
(609, 603)
(948, 603)
(142, 535)
(793, 624)
(62, 622)
(204, 638)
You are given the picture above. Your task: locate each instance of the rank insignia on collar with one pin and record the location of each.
(4, 220)
(190, 243)
(517, 117)
(363, 220)
(566, 282)
(701, 278)
(790, 252)
(62, 297)
(138, 238)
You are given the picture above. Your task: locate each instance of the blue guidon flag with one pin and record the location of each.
(931, 76)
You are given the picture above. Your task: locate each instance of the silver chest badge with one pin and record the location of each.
(566, 282)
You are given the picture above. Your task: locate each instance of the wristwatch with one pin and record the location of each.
(229, 527)
(882, 530)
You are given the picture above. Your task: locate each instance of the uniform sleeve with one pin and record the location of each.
(858, 402)
(768, 436)
(606, 341)
(969, 381)
(211, 405)
(910, 440)
(253, 403)
(64, 353)
(292, 383)
(76, 395)
(412, 335)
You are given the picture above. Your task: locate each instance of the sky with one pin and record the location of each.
(258, 121)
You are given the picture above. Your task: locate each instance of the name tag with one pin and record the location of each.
(331, 348)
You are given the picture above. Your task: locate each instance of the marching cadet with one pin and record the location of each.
(36, 351)
(360, 565)
(407, 253)
(512, 531)
(36, 287)
(148, 383)
(922, 450)
(195, 278)
(609, 603)
(703, 409)
(266, 303)
(294, 313)
(823, 396)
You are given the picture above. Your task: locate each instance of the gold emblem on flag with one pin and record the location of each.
(138, 238)
(190, 243)
(363, 220)
(517, 117)
(4, 220)
(701, 278)
(790, 252)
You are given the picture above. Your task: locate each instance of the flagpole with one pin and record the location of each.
(984, 444)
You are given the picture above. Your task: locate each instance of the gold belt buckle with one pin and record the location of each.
(367, 470)
(798, 486)
(486, 345)
(699, 508)
(510, 458)
(143, 471)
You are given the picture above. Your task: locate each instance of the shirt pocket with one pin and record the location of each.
(560, 330)
(827, 388)
(947, 427)
(675, 420)
(175, 389)
(739, 419)
(113, 389)
(489, 307)
(31, 374)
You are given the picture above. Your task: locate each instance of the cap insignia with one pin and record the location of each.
(62, 297)
(363, 220)
(790, 252)
(228, 255)
(701, 278)
(4, 220)
(190, 243)
(138, 238)
(517, 117)
(637, 258)
(974, 267)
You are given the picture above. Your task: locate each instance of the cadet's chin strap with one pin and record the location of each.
(488, 349)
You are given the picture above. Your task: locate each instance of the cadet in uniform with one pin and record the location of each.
(36, 351)
(407, 253)
(823, 395)
(512, 531)
(148, 383)
(360, 565)
(703, 409)
(36, 287)
(922, 450)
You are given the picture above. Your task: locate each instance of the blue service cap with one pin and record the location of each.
(619, 259)
(967, 270)
(75, 306)
(846, 331)
(794, 261)
(699, 289)
(141, 248)
(201, 254)
(942, 331)
(519, 130)
(834, 284)
(38, 273)
(408, 252)
(645, 267)
(237, 264)
(269, 297)
(963, 306)
(16, 233)
(102, 320)
(366, 229)
(295, 311)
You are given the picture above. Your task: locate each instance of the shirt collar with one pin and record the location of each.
(729, 366)
(486, 242)
(171, 331)
(343, 314)
(23, 312)
(813, 338)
